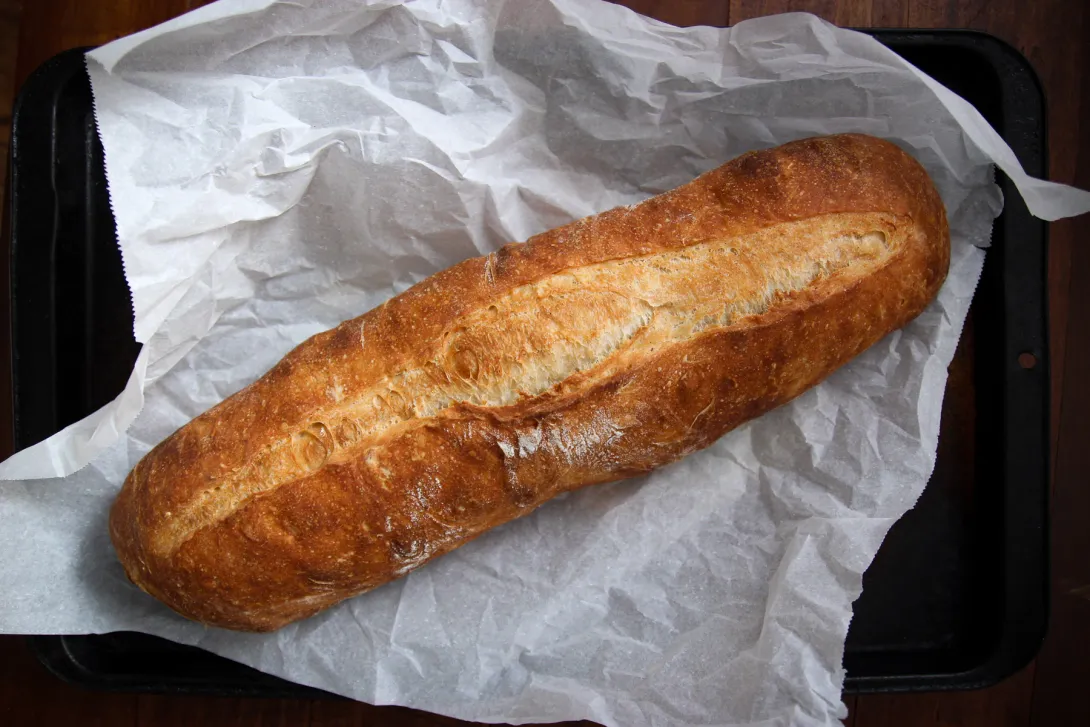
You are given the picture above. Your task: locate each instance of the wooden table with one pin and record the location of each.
(1055, 36)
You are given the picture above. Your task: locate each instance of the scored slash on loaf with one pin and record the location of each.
(593, 352)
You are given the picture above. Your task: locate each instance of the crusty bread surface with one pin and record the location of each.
(592, 352)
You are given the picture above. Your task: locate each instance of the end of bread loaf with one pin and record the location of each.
(593, 352)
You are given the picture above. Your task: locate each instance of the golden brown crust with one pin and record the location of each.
(399, 435)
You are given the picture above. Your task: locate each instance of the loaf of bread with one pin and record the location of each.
(593, 352)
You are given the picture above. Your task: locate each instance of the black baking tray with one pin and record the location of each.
(957, 597)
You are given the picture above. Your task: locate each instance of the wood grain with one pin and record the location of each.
(50, 26)
(681, 12)
(162, 711)
(10, 14)
(1055, 36)
(848, 13)
(1063, 666)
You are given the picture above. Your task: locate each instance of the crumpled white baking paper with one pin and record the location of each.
(276, 167)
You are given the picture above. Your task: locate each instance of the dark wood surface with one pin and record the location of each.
(1053, 34)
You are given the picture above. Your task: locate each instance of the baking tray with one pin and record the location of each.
(957, 597)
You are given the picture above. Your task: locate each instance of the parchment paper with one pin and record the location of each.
(276, 167)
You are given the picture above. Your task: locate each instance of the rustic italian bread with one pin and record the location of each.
(592, 352)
